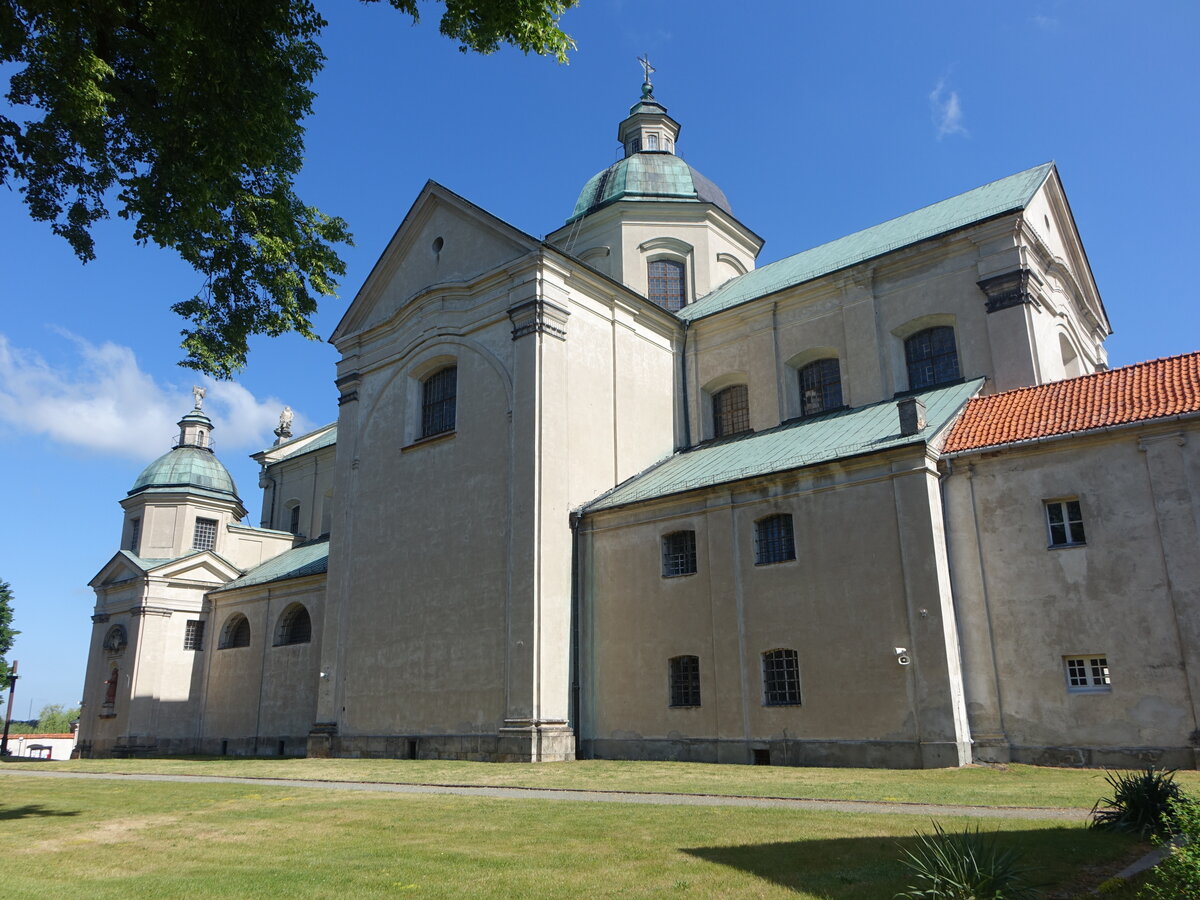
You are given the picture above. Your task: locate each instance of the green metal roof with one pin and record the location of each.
(793, 445)
(186, 468)
(325, 440)
(648, 176)
(1003, 196)
(311, 558)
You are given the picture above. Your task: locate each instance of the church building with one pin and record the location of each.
(621, 493)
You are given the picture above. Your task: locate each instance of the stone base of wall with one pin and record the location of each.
(517, 745)
(857, 754)
(1105, 757)
(247, 746)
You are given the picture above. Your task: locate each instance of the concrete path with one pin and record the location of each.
(522, 793)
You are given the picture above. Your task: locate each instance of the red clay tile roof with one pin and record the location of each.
(1148, 390)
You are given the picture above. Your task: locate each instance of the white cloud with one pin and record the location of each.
(947, 111)
(106, 403)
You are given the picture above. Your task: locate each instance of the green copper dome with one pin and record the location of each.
(186, 468)
(648, 176)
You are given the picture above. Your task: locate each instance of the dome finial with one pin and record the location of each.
(647, 85)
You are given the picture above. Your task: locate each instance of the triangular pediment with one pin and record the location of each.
(443, 240)
(205, 566)
(122, 567)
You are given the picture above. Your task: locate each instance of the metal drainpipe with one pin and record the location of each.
(687, 423)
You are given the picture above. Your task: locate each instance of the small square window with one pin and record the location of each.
(1064, 523)
(205, 536)
(679, 554)
(193, 636)
(1087, 674)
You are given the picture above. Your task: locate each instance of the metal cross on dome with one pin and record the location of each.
(645, 61)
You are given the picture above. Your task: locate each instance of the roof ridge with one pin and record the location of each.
(1077, 379)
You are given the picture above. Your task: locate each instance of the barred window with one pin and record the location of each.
(135, 534)
(820, 387)
(193, 635)
(685, 680)
(781, 678)
(773, 540)
(295, 626)
(1087, 674)
(666, 280)
(1064, 523)
(236, 632)
(294, 522)
(679, 554)
(205, 535)
(439, 395)
(931, 357)
(731, 411)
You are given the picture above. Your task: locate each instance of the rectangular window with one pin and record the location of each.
(679, 554)
(135, 534)
(294, 524)
(685, 681)
(665, 280)
(439, 399)
(1064, 523)
(773, 540)
(1087, 674)
(193, 636)
(205, 537)
(731, 411)
(781, 678)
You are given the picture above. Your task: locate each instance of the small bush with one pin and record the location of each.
(1177, 877)
(966, 866)
(1140, 803)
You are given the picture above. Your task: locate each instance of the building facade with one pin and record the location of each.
(621, 493)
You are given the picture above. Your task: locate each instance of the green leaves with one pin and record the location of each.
(187, 117)
(7, 633)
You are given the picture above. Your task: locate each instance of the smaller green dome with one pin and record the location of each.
(648, 176)
(186, 468)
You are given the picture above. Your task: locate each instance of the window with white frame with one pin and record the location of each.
(439, 399)
(774, 541)
(193, 635)
(685, 680)
(1064, 523)
(205, 535)
(781, 677)
(679, 554)
(1087, 674)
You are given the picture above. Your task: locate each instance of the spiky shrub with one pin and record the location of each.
(1140, 803)
(964, 866)
(1178, 875)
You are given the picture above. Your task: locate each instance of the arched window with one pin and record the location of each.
(295, 627)
(666, 281)
(439, 395)
(773, 540)
(685, 680)
(781, 678)
(731, 411)
(820, 387)
(931, 357)
(236, 632)
(679, 553)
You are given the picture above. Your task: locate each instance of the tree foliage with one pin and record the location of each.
(56, 719)
(7, 633)
(185, 117)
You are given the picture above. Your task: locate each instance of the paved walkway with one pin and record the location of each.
(523, 793)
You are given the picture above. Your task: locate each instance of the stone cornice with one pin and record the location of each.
(1009, 289)
(538, 316)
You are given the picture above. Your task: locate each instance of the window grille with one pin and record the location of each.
(679, 554)
(1064, 523)
(135, 533)
(294, 524)
(193, 635)
(236, 633)
(731, 411)
(685, 681)
(1087, 673)
(295, 626)
(781, 678)
(439, 395)
(931, 357)
(773, 540)
(820, 387)
(205, 536)
(666, 280)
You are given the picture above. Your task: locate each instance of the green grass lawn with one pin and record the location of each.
(100, 839)
(1013, 785)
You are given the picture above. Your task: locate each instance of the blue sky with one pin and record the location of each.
(816, 121)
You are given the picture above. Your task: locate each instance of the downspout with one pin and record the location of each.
(687, 423)
(573, 712)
